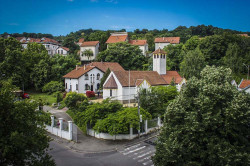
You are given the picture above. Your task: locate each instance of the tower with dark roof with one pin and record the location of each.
(159, 61)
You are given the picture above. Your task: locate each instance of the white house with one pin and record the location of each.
(89, 45)
(244, 86)
(88, 77)
(51, 45)
(161, 42)
(117, 37)
(143, 45)
(124, 85)
(62, 51)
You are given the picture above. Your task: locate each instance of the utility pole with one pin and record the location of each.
(139, 114)
(247, 66)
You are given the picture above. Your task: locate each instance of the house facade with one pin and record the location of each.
(51, 45)
(161, 42)
(63, 51)
(143, 45)
(125, 85)
(88, 77)
(89, 45)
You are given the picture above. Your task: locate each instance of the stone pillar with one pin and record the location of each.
(61, 123)
(159, 122)
(146, 126)
(52, 122)
(130, 132)
(70, 123)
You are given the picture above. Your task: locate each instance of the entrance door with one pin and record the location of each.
(91, 87)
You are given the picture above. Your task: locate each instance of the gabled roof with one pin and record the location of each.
(172, 40)
(111, 84)
(116, 39)
(159, 51)
(48, 40)
(244, 84)
(89, 43)
(152, 77)
(65, 48)
(138, 42)
(172, 75)
(103, 66)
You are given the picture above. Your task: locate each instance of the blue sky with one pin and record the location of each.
(60, 17)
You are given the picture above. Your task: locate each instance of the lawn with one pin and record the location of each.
(46, 98)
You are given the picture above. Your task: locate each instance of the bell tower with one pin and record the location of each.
(159, 61)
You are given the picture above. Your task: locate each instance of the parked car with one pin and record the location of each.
(25, 96)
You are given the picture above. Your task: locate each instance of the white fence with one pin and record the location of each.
(129, 136)
(59, 131)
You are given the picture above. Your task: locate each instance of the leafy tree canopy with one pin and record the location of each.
(207, 124)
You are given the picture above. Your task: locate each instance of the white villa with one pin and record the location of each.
(51, 45)
(123, 37)
(89, 45)
(124, 85)
(161, 42)
(88, 77)
(63, 51)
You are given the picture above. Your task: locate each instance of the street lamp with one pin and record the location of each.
(247, 66)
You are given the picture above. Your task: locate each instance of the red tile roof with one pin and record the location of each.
(244, 84)
(116, 39)
(172, 75)
(65, 48)
(111, 84)
(159, 51)
(138, 42)
(81, 40)
(245, 35)
(89, 43)
(152, 77)
(139, 81)
(103, 66)
(172, 40)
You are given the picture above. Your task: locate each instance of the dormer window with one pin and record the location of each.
(86, 77)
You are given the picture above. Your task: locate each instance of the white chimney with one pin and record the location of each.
(76, 67)
(84, 67)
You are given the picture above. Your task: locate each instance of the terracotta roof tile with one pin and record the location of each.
(138, 42)
(65, 48)
(159, 51)
(139, 81)
(244, 84)
(172, 40)
(103, 66)
(152, 77)
(89, 43)
(116, 39)
(170, 75)
(111, 84)
(81, 40)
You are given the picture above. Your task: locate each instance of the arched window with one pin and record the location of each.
(161, 55)
(98, 76)
(157, 55)
(98, 86)
(86, 76)
(86, 87)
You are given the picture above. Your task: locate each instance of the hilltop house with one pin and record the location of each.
(123, 37)
(124, 85)
(88, 77)
(63, 51)
(93, 46)
(161, 42)
(244, 86)
(51, 45)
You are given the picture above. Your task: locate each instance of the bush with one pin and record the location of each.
(53, 86)
(90, 94)
(59, 97)
(73, 99)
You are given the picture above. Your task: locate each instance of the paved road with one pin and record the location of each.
(136, 155)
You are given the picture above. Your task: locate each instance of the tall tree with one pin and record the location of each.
(128, 56)
(23, 139)
(207, 124)
(192, 64)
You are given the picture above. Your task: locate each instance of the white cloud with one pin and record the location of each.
(93, 0)
(70, 0)
(13, 24)
(111, 1)
(121, 27)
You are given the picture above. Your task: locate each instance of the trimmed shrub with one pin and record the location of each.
(53, 86)
(90, 94)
